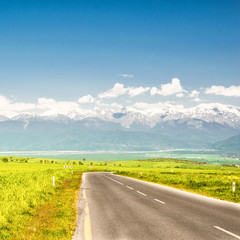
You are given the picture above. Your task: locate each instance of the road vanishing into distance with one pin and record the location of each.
(115, 207)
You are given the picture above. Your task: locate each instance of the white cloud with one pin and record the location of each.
(194, 94)
(137, 91)
(232, 91)
(86, 99)
(11, 109)
(52, 107)
(46, 102)
(197, 99)
(157, 108)
(116, 91)
(113, 106)
(180, 95)
(3, 101)
(125, 75)
(119, 90)
(169, 89)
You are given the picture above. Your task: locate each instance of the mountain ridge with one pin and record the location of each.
(215, 112)
(129, 129)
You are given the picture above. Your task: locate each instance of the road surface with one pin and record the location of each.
(115, 207)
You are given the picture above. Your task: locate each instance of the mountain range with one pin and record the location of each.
(161, 126)
(231, 144)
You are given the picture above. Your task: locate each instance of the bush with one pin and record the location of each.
(5, 159)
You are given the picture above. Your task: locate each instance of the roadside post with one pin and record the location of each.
(53, 181)
(233, 185)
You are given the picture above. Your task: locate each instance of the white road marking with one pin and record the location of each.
(232, 234)
(129, 187)
(159, 201)
(114, 180)
(87, 226)
(141, 193)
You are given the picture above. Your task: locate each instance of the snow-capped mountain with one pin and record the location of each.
(147, 115)
(141, 126)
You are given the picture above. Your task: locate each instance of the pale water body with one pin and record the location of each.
(207, 156)
(96, 155)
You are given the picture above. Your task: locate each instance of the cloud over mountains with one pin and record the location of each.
(232, 91)
(141, 98)
(169, 89)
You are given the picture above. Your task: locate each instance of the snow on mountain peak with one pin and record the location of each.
(146, 114)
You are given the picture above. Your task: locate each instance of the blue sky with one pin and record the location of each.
(66, 49)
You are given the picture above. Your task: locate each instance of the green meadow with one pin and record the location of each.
(205, 179)
(32, 208)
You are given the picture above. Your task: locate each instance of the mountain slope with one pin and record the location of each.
(142, 127)
(231, 144)
(96, 134)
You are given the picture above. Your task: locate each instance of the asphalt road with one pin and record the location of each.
(115, 207)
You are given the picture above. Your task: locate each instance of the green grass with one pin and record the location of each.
(31, 208)
(26, 189)
(209, 180)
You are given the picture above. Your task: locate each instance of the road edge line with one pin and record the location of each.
(87, 226)
(230, 233)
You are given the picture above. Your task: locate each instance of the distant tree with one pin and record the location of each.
(5, 159)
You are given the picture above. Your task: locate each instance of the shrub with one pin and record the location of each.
(5, 159)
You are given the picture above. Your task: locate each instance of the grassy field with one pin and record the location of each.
(32, 208)
(206, 179)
